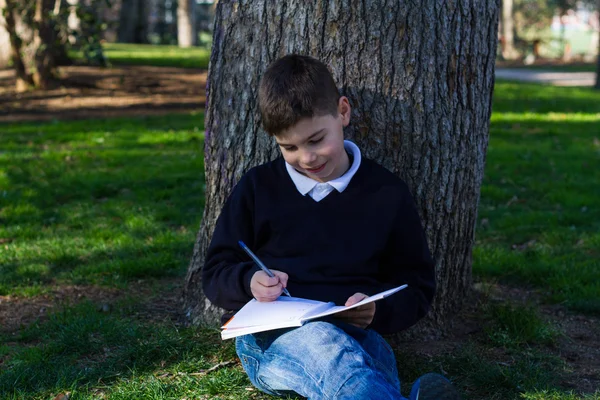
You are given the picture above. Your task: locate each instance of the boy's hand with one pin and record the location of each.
(265, 288)
(360, 316)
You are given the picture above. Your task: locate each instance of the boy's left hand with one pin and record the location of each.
(360, 316)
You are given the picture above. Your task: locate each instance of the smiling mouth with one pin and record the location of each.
(315, 170)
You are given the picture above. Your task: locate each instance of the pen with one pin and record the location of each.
(260, 264)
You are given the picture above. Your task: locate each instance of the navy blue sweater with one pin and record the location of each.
(367, 239)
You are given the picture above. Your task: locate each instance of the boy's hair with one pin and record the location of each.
(295, 87)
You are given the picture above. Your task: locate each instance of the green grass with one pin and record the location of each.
(98, 202)
(107, 202)
(539, 215)
(155, 55)
(512, 326)
(87, 352)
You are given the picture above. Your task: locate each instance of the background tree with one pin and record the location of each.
(597, 86)
(133, 22)
(39, 32)
(5, 48)
(419, 77)
(508, 31)
(32, 38)
(186, 23)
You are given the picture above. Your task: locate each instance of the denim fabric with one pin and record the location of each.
(321, 360)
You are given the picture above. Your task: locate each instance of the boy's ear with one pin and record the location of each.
(344, 110)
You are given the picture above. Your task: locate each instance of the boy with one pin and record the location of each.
(332, 226)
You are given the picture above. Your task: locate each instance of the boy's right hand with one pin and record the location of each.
(266, 288)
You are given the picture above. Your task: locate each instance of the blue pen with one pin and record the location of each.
(260, 264)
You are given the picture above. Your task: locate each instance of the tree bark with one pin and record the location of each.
(23, 79)
(44, 41)
(597, 85)
(127, 19)
(186, 23)
(419, 76)
(133, 22)
(5, 47)
(508, 31)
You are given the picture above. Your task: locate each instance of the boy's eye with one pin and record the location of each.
(316, 140)
(289, 148)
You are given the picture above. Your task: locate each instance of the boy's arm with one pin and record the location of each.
(227, 272)
(407, 260)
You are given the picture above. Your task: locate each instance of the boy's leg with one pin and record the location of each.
(377, 347)
(318, 360)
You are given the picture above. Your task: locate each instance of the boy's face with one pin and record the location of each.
(315, 146)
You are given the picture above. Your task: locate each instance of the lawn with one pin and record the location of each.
(115, 205)
(155, 55)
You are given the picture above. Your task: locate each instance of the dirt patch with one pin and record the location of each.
(160, 302)
(92, 92)
(155, 301)
(578, 344)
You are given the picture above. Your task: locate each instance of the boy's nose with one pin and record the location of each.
(308, 159)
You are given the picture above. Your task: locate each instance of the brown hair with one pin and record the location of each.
(295, 87)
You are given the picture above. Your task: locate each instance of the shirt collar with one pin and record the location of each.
(304, 184)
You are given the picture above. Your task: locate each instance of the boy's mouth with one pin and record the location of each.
(315, 170)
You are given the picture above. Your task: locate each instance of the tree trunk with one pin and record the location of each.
(73, 21)
(508, 31)
(127, 19)
(23, 79)
(5, 47)
(133, 22)
(186, 23)
(44, 42)
(141, 27)
(597, 86)
(419, 76)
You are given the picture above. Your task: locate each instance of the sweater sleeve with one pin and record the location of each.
(227, 272)
(407, 260)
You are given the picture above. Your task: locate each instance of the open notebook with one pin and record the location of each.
(286, 312)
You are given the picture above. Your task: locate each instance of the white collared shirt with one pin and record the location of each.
(318, 190)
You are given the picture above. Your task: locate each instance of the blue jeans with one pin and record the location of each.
(321, 360)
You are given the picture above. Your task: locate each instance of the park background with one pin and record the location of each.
(102, 193)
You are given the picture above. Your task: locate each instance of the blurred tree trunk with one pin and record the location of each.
(186, 23)
(419, 76)
(508, 31)
(133, 22)
(5, 47)
(23, 78)
(597, 86)
(44, 39)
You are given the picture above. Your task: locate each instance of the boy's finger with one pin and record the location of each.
(355, 298)
(273, 292)
(267, 280)
(269, 293)
(283, 277)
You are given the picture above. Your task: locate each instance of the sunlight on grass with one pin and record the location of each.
(547, 117)
(157, 55)
(539, 213)
(99, 201)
